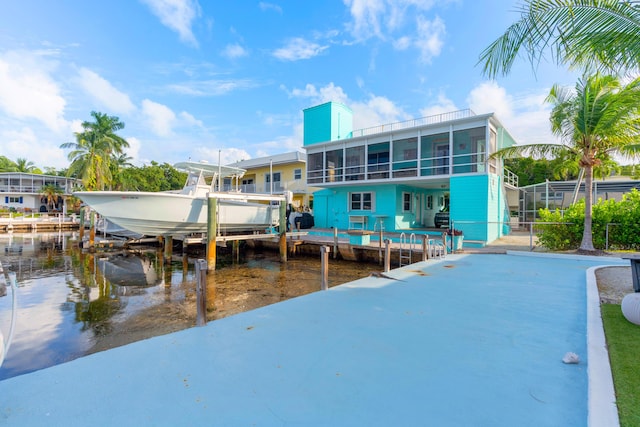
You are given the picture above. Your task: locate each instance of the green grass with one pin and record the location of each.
(623, 340)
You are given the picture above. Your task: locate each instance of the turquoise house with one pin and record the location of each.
(399, 176)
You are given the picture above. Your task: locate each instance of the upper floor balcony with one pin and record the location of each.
(25, 183)
(411, 154)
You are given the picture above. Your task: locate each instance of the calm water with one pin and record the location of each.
(71, 303)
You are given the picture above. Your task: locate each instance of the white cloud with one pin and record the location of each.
(134, 149)
(327, 93)
(524, 115)
(282, 144)
(375, 111)
(403, 43)
(366, 16)
(429, 37)
(189, 120)
(442, 105)
(28, 90)
(384, 19)
(226, 155)
(76, 126)
(297, 49)
(104, 92)
(177, 15)
(264, 6)
(43, 151)
(159, 117)
(211, 87)
(234, 51)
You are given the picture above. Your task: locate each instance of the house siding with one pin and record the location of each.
(327, 122)
(477, 206)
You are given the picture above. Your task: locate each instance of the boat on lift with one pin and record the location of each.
(185, 212)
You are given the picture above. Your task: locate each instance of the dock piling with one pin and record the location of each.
(201, 292)
(282, 231)
(324, 267)
(387, 255)
(212, 231)
(335, 242)
(92, 229)
(81, 228)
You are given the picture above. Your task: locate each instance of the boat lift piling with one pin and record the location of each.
(81, 228)
(212, 231)
(92, 229)
(387, 255)
(201, 292)
(168, 247)
(282, 231)
(324, 267)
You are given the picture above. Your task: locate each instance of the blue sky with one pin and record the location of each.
(190, 78)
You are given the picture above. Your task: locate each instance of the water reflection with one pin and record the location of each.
(72, 303)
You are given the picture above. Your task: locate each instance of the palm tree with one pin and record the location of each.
(51, 193)
(7, 165)
(119, 163)
(93, 151)
(600, 118)
(24, 165)
(580, 34)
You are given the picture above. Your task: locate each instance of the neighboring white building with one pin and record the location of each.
(23, 191)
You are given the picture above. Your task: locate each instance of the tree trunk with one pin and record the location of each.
(587, 235)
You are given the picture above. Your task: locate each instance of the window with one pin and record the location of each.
(334, 166)
(354, 170)
(361, 201)
(10, 199)
(297, 174)
(429, 202)
(276, 182)
(314, 167)
(406, 202)
(434, 154)
(405, 154)
(468, 149)
(378, 161)
(276, 177)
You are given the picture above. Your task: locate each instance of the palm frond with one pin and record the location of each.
(578, 33)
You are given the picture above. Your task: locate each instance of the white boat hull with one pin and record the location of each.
(175, 214)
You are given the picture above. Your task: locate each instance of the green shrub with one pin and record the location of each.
(623, 219)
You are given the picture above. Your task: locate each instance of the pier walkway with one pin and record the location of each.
(470, 340)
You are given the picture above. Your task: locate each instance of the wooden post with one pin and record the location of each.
(380, 245)
(81, 229)
(185, 265)
(282, 230)
(201, 292)
(235, 250)
(212, 231)
(335, 242)
(425, 249)
(324, 267)
(168, 247)
(92, 229)
(387, 255)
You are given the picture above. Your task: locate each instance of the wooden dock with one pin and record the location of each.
(23, 225)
